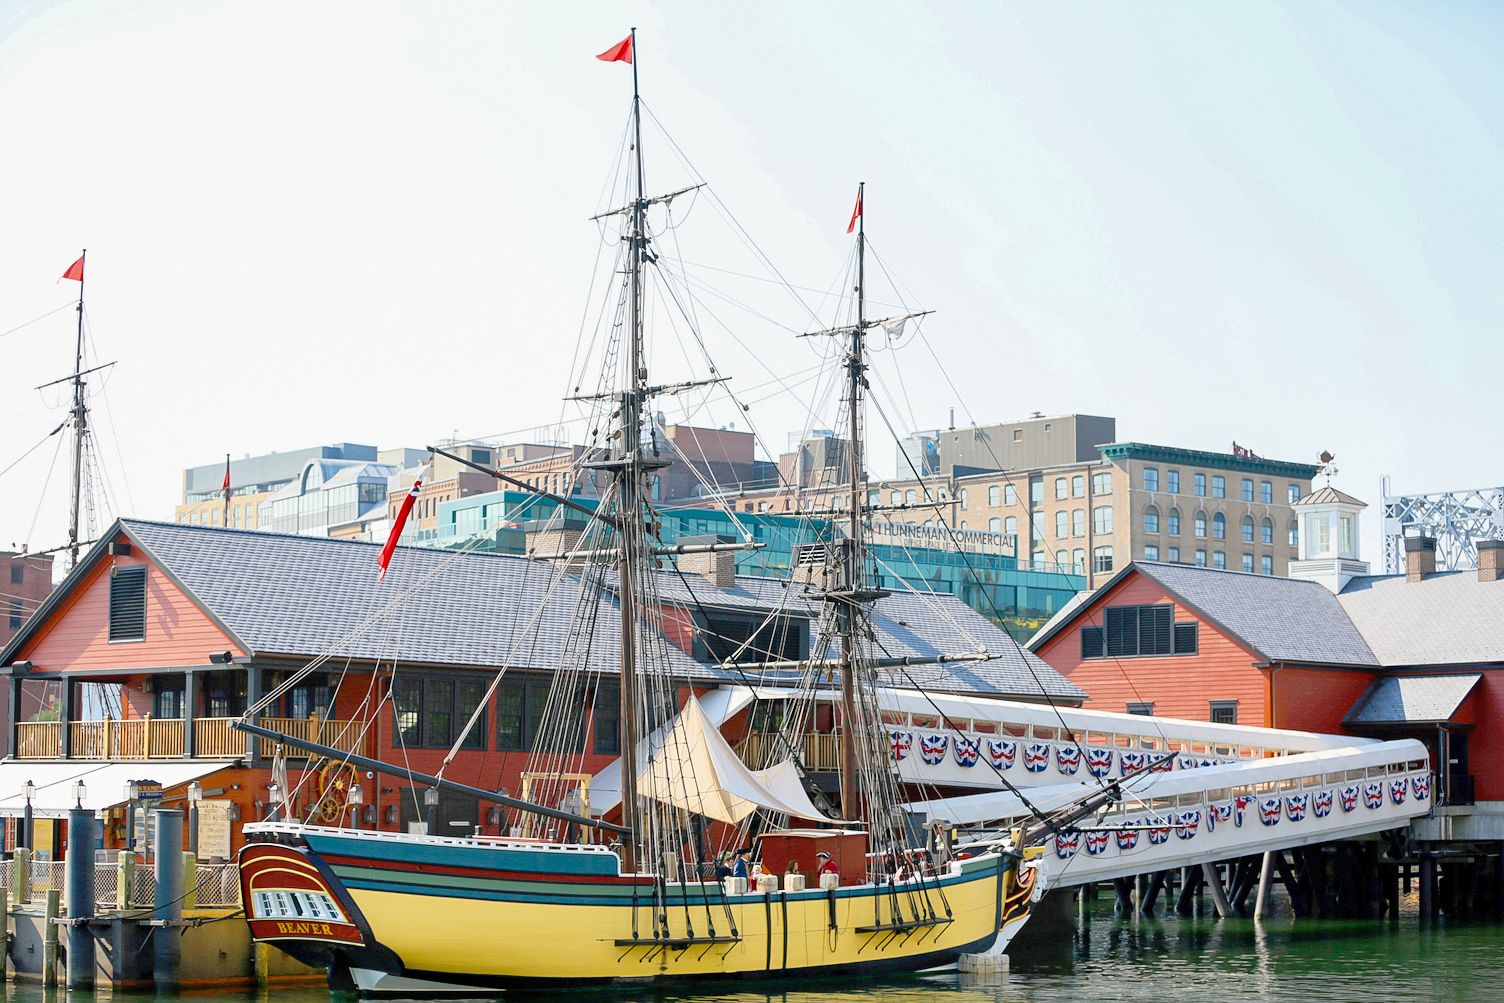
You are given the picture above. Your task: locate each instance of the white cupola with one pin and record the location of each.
(1327, 528)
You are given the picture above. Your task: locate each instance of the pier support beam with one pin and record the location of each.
(1190, 883)
(80, 898)
(1261, 903)
(1427, 868)
(1155, 884)
(1213, 882)
(168, 907)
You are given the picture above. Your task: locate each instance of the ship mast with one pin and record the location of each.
(629, 480)
(80, 425)
(851, 567)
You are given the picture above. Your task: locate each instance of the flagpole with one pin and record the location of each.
(226, 492)
(80, 422)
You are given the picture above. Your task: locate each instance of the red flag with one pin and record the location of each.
(76, 270)
(224, 488)
(621, 52)
(855, 213)
(402, 514)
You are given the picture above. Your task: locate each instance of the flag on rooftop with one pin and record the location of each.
(75, 271)
(401, 521)
(856, 213)
(621, 52)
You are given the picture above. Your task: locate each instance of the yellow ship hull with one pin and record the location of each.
(430, 917)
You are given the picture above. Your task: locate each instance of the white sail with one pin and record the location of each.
(691, 766)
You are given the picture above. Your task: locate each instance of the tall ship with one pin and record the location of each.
(654, 877)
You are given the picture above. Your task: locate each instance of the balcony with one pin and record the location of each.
(818, 753)
(162, 738)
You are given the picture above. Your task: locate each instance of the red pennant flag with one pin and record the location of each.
(621, 52)
(75, 271)
(402, 514)
(225, 487)
(855, 213)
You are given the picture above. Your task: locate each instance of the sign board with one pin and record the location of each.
(214, 830)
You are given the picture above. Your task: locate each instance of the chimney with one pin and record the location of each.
(1490, 560)
(717, 567)
(1420, 557)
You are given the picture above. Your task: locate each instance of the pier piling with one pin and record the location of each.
(168, 909)
(80, 898)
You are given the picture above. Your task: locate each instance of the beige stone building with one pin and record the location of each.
(1134, 501)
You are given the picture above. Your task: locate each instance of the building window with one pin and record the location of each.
(1062, 524)
(1078, 561)
(1266, 531)
(1101, 484)
(1141, 709)
(729, 638)
(1173, 522)
(1062, 559)
(128, 604)
(16, 618)
(1347, 536)
(167, 699)
(1101, 519)
(1061, 487)
(1266, 565)
(1225, 712)
(1200, 558)
(17, 572)
(1248, 529)
(432, 711)
(1185, 639)
(1172, 481)
(1151, 479)
(1200, 485)
(1294, 533)
(520, 703)
(1219, 486)
(895, 498)
(995, 525)
(1010, 526)
(1078, 486)
(1018, 435)
(1173, 555)
(1036, 492)
(1266, 492)
(1139, 630)
(1091, 642)
(1151, 552)
(1219, 526)
(1151, 520)
(1247, 489)
(964, 498)
(1199, 525)
(1219, 560)
(1294, 493)
(607, 718)
(1078, 522)
(1010, 495)
(1248, 563)
(1101, 559)
(994, 495)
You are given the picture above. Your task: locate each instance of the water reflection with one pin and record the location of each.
(1107, 957)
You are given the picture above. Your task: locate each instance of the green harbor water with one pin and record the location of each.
(1119, 960)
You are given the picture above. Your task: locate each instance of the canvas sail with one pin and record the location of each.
(691, 766)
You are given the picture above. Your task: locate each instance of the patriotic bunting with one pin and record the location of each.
(1001, 752)
(1158, 832)
(1241, 803)
(966, 751)
(1066, 844)
(1296, 805)
(1269, 809)
(1127, 837)
(932, 748)
(1349, 797)
(1036, 757)
(1321, 804)
(1186, 823)
(1096, 843)
(900, 742)
(1397, 790)
(1373, 794)
(1068, 760)
(1099, 762)
(1131, 760)
(1421, 786)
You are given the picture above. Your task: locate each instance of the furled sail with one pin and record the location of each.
(691, 766)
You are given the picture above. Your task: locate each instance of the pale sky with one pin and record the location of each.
(1278, 224)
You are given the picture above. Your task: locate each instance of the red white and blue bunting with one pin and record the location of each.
(1128, 835)
(1068, 759)
(932, 748)
(1349, 796)
(1421, 786)
(900, 742)
(1066, 844)
(1321, 804)
(1036, 757)
(1296, 805)
(1186, 823)
(1099, 762)
(1269, 809)
(1397, 790)
(1373, 794)
(1001, 752)
(1096, 843)
(966, 751)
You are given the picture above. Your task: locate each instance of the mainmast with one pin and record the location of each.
(629, 475)
(80, 424)
(851, 583)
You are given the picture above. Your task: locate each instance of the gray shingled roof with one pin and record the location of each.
(907, 623)
(1327, 494)
(1450, 618)
(1282, 619)
(304, 596)
(1412, 699)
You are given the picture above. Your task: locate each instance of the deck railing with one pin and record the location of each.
(820, 752)
(163, 738)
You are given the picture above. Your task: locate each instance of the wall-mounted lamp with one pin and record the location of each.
(391, 814)
(357, 796)
(370, 814)
(220, 658)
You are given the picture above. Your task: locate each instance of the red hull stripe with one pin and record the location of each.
(338, 860)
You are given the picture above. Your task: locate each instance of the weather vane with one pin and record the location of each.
(1328, 467)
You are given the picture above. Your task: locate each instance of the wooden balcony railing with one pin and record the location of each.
(39, 740)
(818, 752)
(153, 738)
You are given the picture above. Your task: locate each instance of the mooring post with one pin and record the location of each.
(1261, 903)
(4, 933)
(1213, 881)
(168, 909)
(20, 876)
(80, 898)
(50, 914)
(1427, 887)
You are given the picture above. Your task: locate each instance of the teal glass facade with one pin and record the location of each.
(1017, 595)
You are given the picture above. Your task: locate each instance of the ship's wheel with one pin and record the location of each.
(334, 782)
